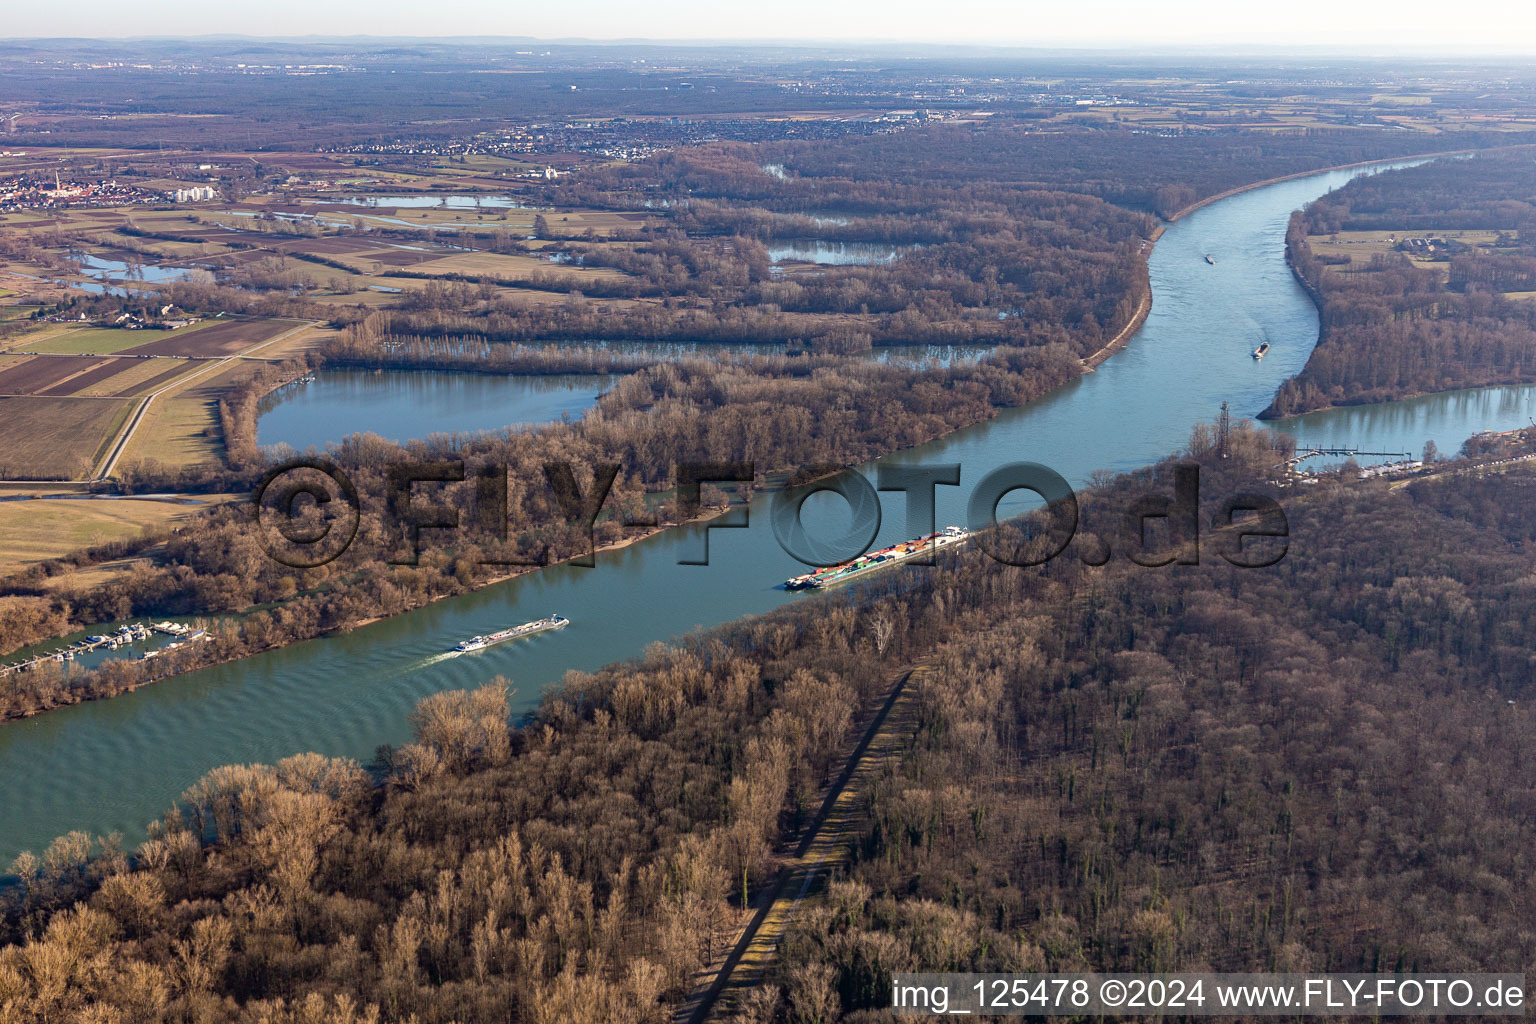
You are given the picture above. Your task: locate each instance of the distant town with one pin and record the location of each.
(34, 193)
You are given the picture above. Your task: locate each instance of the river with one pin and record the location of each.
(118, 764)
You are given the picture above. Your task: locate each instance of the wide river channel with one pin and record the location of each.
(120, 763)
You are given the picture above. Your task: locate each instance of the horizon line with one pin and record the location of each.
(1357, 50)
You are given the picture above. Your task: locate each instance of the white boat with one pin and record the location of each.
(480, 643)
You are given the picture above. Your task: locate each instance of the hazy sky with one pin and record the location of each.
(1497, 26)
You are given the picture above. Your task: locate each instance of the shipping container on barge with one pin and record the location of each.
(875, 560)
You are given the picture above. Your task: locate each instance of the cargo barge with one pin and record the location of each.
(875, 560)
(480, 643)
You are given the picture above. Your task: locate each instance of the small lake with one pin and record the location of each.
(105, 270)
(829, 216)
(402, 405)
(1447, 418)
(943, 354)
(835, 254)
(428, 202)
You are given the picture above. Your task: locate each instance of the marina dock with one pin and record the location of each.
(123, 635)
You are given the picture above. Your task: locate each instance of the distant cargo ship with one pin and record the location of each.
(1261, 351)
(882, 559)
(480, 643)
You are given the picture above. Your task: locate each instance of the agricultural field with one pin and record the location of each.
(62, 409)
(578, 222)
(215, 340)
(56, 376)
(181, 427)
(288, 241)
(182, 430)
(55, 438)
(143, 376)
(33, 531)
(95, 341)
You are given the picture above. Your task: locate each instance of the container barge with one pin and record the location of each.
(875, 560)
(480, 643)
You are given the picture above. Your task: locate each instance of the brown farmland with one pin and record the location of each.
(332, 246)
(405, 259)
(40, 373)
(153, 382)
(103, 369)
(222, 339)
(54, 438)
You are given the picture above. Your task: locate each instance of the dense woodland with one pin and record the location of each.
(1155, 173)
(987, 260)
(1320, 765)
(1394, 327)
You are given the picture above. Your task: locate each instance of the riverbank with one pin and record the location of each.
(183, 668)
(1394, 329)
(1313, 295)
(1119, 341)
(1144, 308)
(1239, 190)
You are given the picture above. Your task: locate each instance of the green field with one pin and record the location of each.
(96, 341)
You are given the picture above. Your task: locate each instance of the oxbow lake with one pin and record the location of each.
(401, 405)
